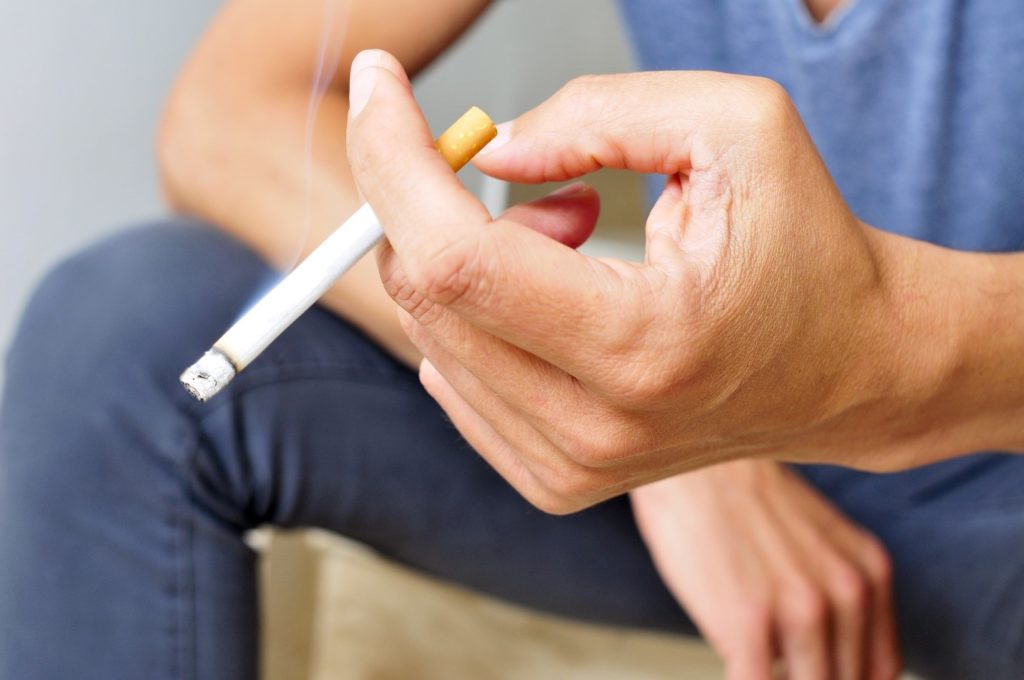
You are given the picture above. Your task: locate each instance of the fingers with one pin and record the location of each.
(395, 164)
(800, 615)
(546, 479)
(596, 122)
(804, 630)
(579, 424)
(883, 658)
(753, 659)
(803, 611)
(866, 643)
(459, 350)
(855, 574)
(751, 645)
(844, 590)
(504, 278)
(778, 581)
(849, 592)
(558, 483)
(476, 431)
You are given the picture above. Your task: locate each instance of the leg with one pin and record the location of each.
(956, 535)
(122, 503)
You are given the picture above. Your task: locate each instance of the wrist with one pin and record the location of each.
(946, 368)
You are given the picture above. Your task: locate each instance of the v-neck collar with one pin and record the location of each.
(844, 14)
(843, 25)
(833, 18)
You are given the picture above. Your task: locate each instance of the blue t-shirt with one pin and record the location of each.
(916, 105)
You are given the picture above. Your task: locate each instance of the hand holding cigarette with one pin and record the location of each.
(761, 323)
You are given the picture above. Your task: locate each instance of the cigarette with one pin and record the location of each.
(299, 290)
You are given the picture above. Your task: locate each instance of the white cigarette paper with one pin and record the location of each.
(300, 289)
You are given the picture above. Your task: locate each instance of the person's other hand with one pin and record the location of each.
(770, 571)
(752, 328)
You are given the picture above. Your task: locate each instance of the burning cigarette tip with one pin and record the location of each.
(298, 291)
(209, 375)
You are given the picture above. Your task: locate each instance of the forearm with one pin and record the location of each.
(233, 142)
(256, 191)
(953, 350)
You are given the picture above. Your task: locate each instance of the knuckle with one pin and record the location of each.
(754, 626)
(887, 667)
(628, 336)
(568, 483)
(634, 374)
(551, 502)
(850, 589)
(769, 105)
(400, 289)
(645, 385)
(645, 368)
(579, 105)
(755, 616)
(877, 562)
(806, 609)
(530, 483)
(595, 447)
(452, 273)
(580, 89)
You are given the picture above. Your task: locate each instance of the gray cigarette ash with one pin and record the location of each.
(208, 376)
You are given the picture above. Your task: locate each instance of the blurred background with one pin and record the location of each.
(83, 85)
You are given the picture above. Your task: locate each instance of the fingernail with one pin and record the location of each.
(503, 137)
(571, 190)
(429, 374)
(362, 80)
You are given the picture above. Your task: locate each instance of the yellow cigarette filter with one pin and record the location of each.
(466, 137)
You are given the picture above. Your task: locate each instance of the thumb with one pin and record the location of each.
(423, 207)
(512, 282)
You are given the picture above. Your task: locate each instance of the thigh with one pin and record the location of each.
(327, 431)
(955, 531)
(107, 563)
(123, 503)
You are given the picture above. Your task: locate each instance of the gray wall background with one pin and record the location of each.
(82, 85)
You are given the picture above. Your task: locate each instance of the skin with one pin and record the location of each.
(795, 581)
(805, 585)
(767, 321)
(820, 10)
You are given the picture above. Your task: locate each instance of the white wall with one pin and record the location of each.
(82, 84)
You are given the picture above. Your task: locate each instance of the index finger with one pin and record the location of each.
(500, 276)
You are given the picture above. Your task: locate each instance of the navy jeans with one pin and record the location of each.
(123, 503)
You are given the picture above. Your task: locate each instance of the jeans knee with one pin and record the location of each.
(92, 375)
(135, 306)
(91, 387)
